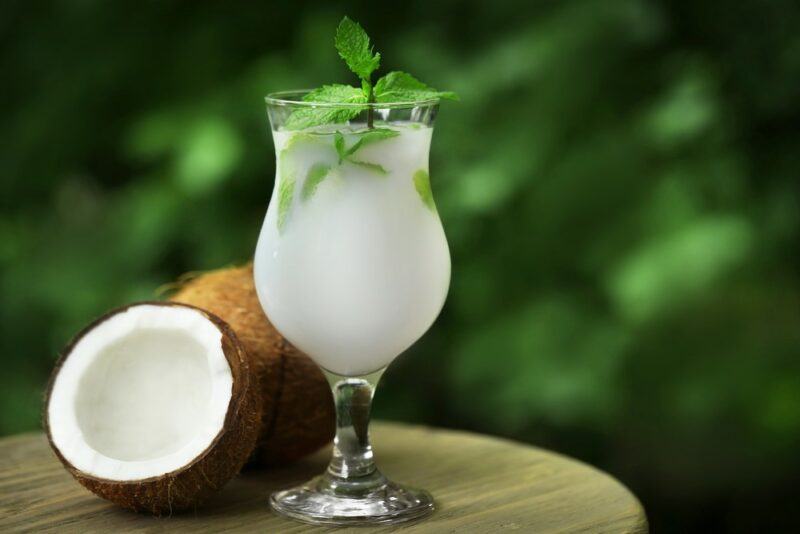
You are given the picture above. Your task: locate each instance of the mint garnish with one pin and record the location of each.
(422, 183)
(355, 48)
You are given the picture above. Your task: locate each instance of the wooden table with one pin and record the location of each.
(481, 484)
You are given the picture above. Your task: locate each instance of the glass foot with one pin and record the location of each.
(324, 501)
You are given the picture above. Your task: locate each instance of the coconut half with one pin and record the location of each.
(154, 406)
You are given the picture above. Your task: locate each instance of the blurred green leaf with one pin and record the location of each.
(672, 270)
(550, 360)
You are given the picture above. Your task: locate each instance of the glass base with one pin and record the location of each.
(328, 501)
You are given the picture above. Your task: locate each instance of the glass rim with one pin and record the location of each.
(284, 99)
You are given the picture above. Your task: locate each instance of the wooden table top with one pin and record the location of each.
(480, 484)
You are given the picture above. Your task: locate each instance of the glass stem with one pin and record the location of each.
(352, 468)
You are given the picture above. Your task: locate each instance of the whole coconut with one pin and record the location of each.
(298, 415)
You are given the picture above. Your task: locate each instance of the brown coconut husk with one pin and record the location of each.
(298, 416)
(190, 485)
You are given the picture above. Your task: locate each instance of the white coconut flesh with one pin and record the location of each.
(142, 394)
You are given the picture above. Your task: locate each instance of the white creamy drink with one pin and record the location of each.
(352, 265)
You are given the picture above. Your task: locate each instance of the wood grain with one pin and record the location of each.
(481, 484)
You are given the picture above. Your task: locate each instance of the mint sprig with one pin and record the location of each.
(355, 48)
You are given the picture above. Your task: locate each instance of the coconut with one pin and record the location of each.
(154, 406)
(299, 413)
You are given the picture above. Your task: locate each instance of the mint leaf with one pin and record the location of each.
(336, 93)
(285, 195)
(285, 190)
(302, 118)
(374, 167)
(369, 137)
(364, 138)
(339, 144)
(315, 176)
(307, 117)
(300, 137)
(422, 183)
(398, 86)
(354, 47)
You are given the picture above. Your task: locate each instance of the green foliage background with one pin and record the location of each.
(619, 185)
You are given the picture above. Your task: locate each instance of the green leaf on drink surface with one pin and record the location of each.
(371, 136)
(422, 183)
(307, 117)
(354, 47)
(315, 176)
(374, 167)
(398, 86)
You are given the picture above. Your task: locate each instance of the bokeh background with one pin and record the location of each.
(619, 185)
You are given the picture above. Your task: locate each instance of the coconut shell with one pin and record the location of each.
(298, 416)
(187, 487)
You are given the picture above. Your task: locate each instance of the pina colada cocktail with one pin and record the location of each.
(352, 265)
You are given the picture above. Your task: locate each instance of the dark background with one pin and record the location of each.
(619, 186)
